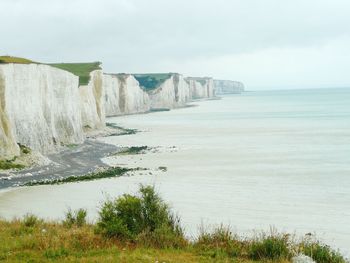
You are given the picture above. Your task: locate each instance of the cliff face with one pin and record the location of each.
(39, 108)
(201, 87)
(123, 95)
(8, 145)
(92, 104)
(172, 93)
(228, 86)
(43, 107)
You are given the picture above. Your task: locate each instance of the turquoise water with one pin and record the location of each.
(253, 161)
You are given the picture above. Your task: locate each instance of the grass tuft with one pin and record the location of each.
(30, 220)
(219, 243)
(75, 218)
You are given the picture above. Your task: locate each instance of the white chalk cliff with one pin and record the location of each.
(92, 103)
(228, 87)
(174, 92)
(39, 108)
(201, 87)
(43, 107)
(123, 95)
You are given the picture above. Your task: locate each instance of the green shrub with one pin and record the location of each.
(152, 81)
(321, 253)
(30, 220)
(274, 246)
(9, 164)
(144, 218)
(77, 218)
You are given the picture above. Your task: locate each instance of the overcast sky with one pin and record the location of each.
(264, 43)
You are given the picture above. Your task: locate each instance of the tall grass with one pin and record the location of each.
(273, 246)
(75, 218)
(321, 253)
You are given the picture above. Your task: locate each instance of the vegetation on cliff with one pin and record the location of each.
(152, 81)
(82, 70)
(14, 163)
(16, 60)
(142, 228)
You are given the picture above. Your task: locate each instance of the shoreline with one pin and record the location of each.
(79, 160)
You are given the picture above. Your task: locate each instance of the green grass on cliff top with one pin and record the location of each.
(82, 70)
(17, 60)
(152, 81)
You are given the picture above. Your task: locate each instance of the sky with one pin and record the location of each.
(266, 44)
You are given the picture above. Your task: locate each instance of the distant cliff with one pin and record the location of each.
(201, 87)
(228, 86)
(123, 95)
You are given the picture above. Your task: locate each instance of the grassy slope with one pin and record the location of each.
(151, 81)
(17, 60)
(54, 242)
(80, 69)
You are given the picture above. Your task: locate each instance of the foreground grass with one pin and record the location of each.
(45, 241)
(82, 70)
(142, 228)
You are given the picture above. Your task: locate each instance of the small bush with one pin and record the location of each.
(144, 218)
(30, 220)
(321, 253)
(275, 247)
(24, 149)
(219, 242)
(77, 218)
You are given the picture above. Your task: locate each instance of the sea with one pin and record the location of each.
(257, 161)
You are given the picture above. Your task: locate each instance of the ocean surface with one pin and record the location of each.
(255, 161)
